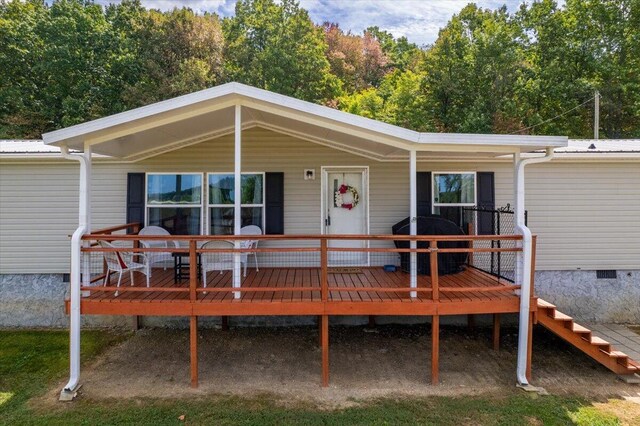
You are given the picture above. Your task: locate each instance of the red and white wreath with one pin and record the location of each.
(345, 202)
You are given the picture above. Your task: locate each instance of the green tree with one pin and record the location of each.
(367, 103)
(402, 54)
(474, 73)
(533, 72)
(178, 52)
(75, 61)
(588, 45)
(20, 83)
(406, 103)
(275, 46)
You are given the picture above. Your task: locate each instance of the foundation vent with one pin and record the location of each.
(606, 274)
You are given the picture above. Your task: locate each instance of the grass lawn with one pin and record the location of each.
(32, 361)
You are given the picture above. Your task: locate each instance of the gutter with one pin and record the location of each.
(70, 389)
(525, 290)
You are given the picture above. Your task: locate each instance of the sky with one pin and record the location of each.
(418, 20)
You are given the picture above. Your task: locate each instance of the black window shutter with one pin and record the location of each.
(135, 198)
(274, 203)
(486, 201)
(423, 193)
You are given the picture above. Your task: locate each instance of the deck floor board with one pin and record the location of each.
(292, 278)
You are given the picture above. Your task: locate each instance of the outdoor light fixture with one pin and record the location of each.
(309, 174)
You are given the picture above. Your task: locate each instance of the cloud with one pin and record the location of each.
(418, 20)
(221, 7)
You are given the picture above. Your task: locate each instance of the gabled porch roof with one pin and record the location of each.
(190, 119)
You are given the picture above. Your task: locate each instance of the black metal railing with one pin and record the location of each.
(500, 221)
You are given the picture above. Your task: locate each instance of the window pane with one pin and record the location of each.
(252, 216)
(251, 189)
(176, 220)
(454, 188)
(174, 189)
(221, 220)
(221, 189)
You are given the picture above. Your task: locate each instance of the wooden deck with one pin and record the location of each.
(322, 291)
(297, 291)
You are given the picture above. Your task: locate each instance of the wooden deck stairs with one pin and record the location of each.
(583, 339)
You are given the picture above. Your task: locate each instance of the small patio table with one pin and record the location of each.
(181, 267)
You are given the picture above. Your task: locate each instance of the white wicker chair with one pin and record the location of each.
(156, 257)
(244, 257)
(120, 262)
(216, 261)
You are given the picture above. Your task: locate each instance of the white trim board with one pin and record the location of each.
(324, 196)
(110, 129)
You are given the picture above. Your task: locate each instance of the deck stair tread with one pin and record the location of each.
(617, 354)
(577, 328)
(557, 315)
(582, 338)
(598, 341)
(545, 304)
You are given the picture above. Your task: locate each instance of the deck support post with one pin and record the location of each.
(237, 189)
(193, 340)
(224, 323)
(324, 333)
(435, 349)
(413, 213)
(471, 322)
(78, 265)
(496, 332)
(372, 321)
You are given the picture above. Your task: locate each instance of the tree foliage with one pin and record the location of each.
(276, 46)
(358, 61)
(531, 72)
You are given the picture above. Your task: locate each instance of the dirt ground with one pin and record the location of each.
(387, 361)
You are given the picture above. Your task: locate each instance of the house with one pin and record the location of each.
(325, 188)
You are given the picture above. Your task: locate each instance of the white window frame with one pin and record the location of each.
(263, 205)
(433, 190)
(147, 206)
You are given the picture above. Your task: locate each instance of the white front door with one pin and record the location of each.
(342, 220)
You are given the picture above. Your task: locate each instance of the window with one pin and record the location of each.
(174, 202)
(222, 198)
(454, 189)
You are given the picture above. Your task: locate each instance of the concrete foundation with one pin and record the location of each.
(37, 300)
(589, 299)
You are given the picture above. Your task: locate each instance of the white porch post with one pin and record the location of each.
(413, 213)
(237, 200)
(84, 224)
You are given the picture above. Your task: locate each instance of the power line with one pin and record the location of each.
(551, 119)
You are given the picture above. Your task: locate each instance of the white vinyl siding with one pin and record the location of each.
(585, 214)
(38, 210)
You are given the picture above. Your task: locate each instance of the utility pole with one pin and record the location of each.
(596, 117)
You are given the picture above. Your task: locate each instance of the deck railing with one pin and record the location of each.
(320, 253)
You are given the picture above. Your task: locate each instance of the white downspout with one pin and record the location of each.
(525, 269)
(68, 392)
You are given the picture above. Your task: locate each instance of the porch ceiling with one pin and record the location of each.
(207, 114)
